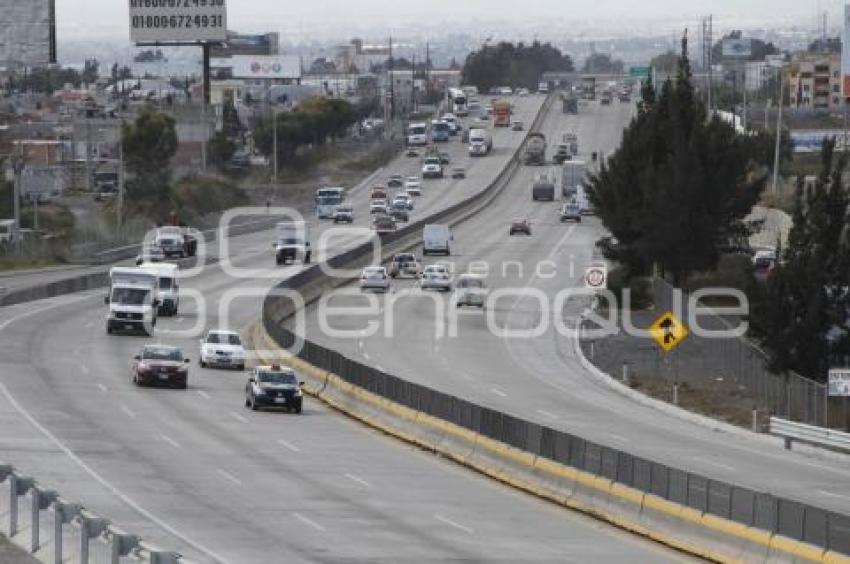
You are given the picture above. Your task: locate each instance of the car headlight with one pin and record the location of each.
(298, 393)
(258, 391)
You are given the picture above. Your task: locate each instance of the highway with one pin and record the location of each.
(539, 378)
(196, 472)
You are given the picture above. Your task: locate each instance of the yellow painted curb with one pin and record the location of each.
(643, 501)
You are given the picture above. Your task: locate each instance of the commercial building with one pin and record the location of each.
(27, 33)
(814, 81)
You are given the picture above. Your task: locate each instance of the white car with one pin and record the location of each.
(222, 348)
(436, 277)
(432, 167)
(413, 188)
(470, 291)
(523, 92)
(375, 278)
(506, 90)
(378, 206)
(403, 200)
(150, 253)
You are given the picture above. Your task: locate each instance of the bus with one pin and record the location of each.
(417, 134)
(439, 131)
(457, 102)
(327, 200)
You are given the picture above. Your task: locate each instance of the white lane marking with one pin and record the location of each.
(89, 325)
(712, 462)
(170, 441)
(308, 521)
(106, 484)
(127, 411)
(103, 388)
(833, 494)
(288, 445)
(454, 524)
(238, 417)
(359, 480)
(366, 355)
(548, 414)
(499, 392)
(229, 477)
(203, 394)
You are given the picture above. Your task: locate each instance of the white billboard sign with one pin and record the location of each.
(737, 47)
(177, 20)
(267, 67)
(839, 381)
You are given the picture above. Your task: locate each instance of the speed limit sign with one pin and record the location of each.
(596, 277)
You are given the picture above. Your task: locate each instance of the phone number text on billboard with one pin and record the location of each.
(178, 20)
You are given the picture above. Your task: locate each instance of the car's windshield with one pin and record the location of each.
(155, 352)
(269, 377)
(165, 283)
(130, 296)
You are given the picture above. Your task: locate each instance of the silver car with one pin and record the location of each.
(470, 291)
(436, 277)
(375, 278)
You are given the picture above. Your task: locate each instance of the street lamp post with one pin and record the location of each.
(18, 169)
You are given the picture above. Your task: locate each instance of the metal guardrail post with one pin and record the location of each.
(122, 545)
(63, 512)
(41, 500)
(90, 527)
(17, 487)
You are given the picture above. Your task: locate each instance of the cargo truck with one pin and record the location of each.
(501, 113)
(572, 176)
(292, 242)
(133, 300)
(543, 188)
(535, 149)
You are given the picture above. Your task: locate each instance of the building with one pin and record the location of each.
(814, 81)
(247, 44)
(27, 33)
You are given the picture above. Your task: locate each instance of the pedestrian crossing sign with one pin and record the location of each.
(668, 331)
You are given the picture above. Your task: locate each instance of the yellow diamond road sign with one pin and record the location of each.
(668, 331)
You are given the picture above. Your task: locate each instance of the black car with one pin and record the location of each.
(273, 386)
(399, 213)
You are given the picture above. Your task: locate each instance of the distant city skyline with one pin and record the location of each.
(108, 18)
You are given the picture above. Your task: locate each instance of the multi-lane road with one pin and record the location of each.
(539, 378)
(196, 472)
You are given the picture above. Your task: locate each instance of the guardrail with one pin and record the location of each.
(809, 434)
(55, 530)
(742, 506)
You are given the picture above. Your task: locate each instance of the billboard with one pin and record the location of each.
(737, 47)
(27, 33)
(267, 67)
(845, 54)
(839, 382)
(177, 20)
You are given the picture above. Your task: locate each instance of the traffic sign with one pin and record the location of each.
(839, 381)
(640, 71)
(596, 277)
(668, 331)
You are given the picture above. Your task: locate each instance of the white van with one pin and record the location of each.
(7, 231)
(132, 300)
(417, 134)
(436, 238)
(169, 286)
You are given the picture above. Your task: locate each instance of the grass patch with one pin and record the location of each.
(374, 160)
(201, 195)
(26, 263)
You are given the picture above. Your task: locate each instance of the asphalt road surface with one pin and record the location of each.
(195, 472)
(539, 377)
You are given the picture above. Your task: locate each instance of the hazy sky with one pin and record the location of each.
(78, 18)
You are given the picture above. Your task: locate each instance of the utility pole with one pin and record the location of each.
(392, 80)
(413, 86)
(274, 142)
(778, 135)
(16, 205)
(428, 71)
(119, 209)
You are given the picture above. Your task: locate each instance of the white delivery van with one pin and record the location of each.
(436, 238)
(169, 286)
(132, 300)
(417, 134)
(292, 242)
(480, 142)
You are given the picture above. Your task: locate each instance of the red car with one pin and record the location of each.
(160, 365)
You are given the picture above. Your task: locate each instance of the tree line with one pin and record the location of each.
(506, 64)
(313, 122)
(801, 312)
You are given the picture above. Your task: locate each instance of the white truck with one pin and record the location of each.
(573, 175)
(169, 286)
(292, 242)
(174, 240)
(436, 238)
(480, 142)
(133, 300)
